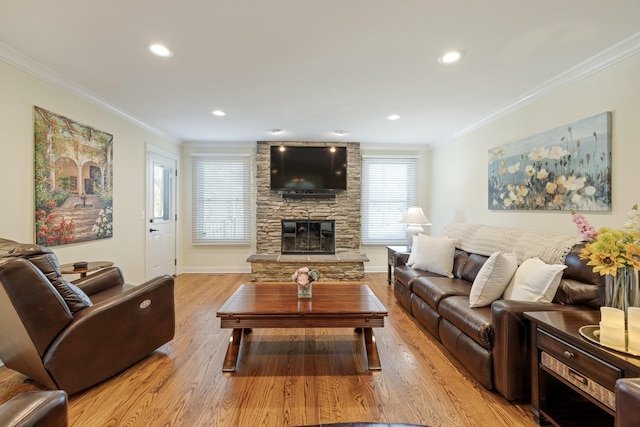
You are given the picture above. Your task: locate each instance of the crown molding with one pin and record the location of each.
(616, 53)
(33, 67)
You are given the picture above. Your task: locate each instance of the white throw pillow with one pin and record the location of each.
(434, 254)
(414, 251)
(535, 281)
(493, 278)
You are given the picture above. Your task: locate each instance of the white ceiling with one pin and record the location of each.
(311, 67)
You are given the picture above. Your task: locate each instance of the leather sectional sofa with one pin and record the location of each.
(491, 342)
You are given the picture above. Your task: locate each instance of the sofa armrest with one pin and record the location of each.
(111, 335)
(36, 408)
(627, 402)
(100, 280)
(511, 357)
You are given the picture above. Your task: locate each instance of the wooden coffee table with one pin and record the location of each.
(276, 305)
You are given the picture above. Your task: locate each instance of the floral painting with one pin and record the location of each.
(73, 180)
(567, 168)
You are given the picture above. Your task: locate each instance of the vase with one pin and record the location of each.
(304, 291)
(621, 290)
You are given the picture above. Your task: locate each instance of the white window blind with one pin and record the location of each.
(221, 205)
(389, 188)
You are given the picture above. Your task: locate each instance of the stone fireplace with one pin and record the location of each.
(276, 212)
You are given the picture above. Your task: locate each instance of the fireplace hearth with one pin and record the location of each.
(308, 237)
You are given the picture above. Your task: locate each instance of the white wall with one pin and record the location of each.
(20, 92)
(459, 169)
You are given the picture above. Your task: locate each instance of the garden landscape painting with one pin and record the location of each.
(567, 168)
(73, 181)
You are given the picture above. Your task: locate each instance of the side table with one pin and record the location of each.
(91, 266)
(573, 380)
(392, 259)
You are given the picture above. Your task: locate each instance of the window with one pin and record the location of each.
(162, 176)
(389, 188)
(221, 205)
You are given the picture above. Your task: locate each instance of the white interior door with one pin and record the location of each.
(161, 214)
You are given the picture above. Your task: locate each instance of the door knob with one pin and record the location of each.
(151, 230)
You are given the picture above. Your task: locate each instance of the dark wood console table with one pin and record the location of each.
(572, 379)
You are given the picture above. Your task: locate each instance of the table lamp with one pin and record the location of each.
(415, 218)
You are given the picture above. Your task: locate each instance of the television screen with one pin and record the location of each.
(308, 168)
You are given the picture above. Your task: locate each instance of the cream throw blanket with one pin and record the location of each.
(485, 240)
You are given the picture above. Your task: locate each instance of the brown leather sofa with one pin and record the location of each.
(491, 342)
(71, 336)
(628, 402)
(35, 409)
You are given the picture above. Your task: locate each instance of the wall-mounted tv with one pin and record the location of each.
(305, 168)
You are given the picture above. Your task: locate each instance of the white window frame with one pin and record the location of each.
(389, 188)
(221, 199)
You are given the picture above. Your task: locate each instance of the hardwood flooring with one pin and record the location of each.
(285, 377)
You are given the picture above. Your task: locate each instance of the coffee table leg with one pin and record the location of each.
(231, 358)
(372, 349)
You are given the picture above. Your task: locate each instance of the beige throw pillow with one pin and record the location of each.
(535, 281)
(492, 279)
(434, 254)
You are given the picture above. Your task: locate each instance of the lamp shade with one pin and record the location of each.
(415, 215)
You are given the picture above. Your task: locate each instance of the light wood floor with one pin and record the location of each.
(285, 377)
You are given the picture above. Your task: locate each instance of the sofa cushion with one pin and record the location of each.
(535, 281)
(432, 289)
(572, 292)
(459, 261)
(45, 260)
(434, 254)
(492, 279)
(472, 267)
(406, 275)
(75, 298)
(473, 322)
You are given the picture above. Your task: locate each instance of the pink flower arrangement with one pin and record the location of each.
(584, 228)
(303, 276)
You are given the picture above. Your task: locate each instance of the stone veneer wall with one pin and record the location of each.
(271, 208)
(348, 263)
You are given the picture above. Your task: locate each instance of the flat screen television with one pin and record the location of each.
(308, 168)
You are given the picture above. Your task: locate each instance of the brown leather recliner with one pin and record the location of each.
(71, 336)
(35, 408)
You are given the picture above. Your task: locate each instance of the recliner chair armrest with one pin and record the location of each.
(511, 357)
(627, 402)
(36, 408)
(108, 337)
(100, 280)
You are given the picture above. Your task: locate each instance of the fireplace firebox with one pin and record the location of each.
(308, 236)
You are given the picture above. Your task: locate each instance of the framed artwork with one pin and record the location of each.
(73, 180)
(561, 169)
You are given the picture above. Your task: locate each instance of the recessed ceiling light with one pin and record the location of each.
(276, 131)
(161, 50)
(218, 113)
(450, 57)
(393, 117)
(340, 132)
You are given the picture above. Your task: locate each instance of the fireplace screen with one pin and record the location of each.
(308, 237)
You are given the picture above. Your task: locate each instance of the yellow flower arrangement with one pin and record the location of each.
(611, 250)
